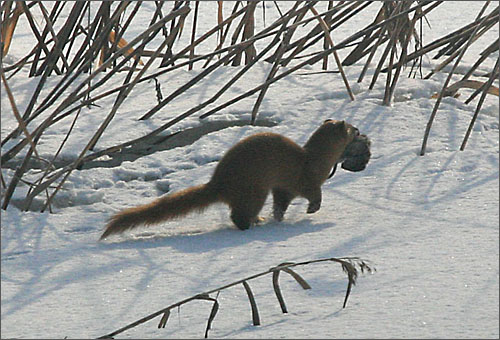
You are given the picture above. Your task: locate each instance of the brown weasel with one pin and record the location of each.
(246, 174)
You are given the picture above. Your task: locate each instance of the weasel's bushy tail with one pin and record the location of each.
(164, 208)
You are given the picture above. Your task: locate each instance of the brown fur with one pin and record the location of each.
(246, 174)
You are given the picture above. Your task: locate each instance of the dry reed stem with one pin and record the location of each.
(68, 169)
(104, 21)
(487, 85)
(349, 265)
(480, 89)
(394, 33)
(457, 51)
(122, 43)
(20, 170)
(224, 35)
(389, 91)
(253, 304)
(300, 44)
(325, 42)
(40, 37)
(42, 106)
(9, 27)
(279, 53)
(74, 96)
(445, 85)
(335, 54)
(451, 91)
(120, 98)
(193, 33)
(16, 113)
(140, 139)
(50, 28)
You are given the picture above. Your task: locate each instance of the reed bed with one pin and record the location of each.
(83, 42)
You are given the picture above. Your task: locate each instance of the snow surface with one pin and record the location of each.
(430, 225)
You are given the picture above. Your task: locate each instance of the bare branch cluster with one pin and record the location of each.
(87, 47)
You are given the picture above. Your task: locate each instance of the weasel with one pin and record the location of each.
(259, 164)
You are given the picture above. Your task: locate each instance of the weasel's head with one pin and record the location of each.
(356, 146)
(342, 131)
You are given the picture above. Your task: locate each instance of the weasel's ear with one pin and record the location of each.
(340, 125)
(328, 120)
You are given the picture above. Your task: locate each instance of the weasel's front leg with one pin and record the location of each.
(281, 201)
(314, 197)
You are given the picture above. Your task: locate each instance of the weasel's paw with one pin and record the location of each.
(313, 208)
(278, 215)
(259, 220)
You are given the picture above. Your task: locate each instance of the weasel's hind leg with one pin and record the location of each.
(281, 201)
(245, 210)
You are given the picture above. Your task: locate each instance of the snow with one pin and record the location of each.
(429, 224)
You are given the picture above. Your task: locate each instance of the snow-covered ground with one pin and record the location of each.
(429, 224)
